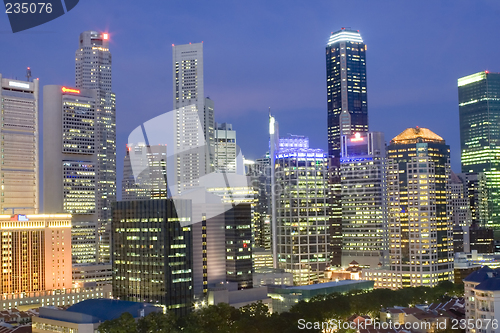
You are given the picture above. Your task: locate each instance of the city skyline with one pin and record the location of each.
(427, 88)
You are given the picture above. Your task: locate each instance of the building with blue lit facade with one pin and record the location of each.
(479, 109)
(346, 87)
(301, 209)
(364, 200)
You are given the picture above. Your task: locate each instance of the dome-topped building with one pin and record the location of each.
(416, 135)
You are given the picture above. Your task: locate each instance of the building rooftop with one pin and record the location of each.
(98, 310)
(492, 284)
(417, 134)
(480, 275)
(326, 285)
(345, 35)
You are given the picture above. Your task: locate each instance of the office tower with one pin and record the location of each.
(346, 87)
(479, 109)
(301, 209)
(239, 245)
(260, 179)
(420, 228)
(152, 253)
(476, 190)
(151, 181)
(193, 110)
(364, 200)
(93, 71)
(36, 253)
(70, 150)
(225, 148)
(19, 159)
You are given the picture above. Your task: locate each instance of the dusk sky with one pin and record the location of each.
(260, 54)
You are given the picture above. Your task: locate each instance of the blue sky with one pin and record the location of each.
(261, 54)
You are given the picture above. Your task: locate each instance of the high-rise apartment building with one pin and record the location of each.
(153, 253)
(420, 227)
(93, 71)
(479, 109)
(70, 151)
(301, 210)
(19, 160)
(364, 200)
(346, 87)
(151, 181)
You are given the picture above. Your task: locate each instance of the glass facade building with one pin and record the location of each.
(152, 253)
(479, 109)
(346, 87)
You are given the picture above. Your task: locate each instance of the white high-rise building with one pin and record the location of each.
(225, 148)
(70, 151)
(93, 71)
(151, 183)
(194, 114)
(19, 144)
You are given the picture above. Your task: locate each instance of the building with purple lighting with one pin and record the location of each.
(301, 209)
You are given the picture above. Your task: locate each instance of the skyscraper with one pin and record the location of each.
(192, 109)
(225, 148)
(364, 200)
(301, 210)
(260, 177)
(479, 109)
(153, 253)
(346, 87)
(70, 160)
(151, 182)
(19, 159)
(93, 71)
(420, 227)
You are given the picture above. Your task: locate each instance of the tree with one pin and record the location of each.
(157, 322)
(123, 324)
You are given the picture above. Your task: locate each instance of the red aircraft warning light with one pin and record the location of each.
(105, 36)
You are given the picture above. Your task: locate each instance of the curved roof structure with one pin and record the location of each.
(417, 134)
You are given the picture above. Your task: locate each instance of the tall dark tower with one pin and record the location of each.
(347, 114)
(346, 87)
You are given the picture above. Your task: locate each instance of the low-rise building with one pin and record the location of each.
(57, 297)
(272, 277)
(285, 298)
(229, 293)
(482, 299)
(86, 316)
(467, 263)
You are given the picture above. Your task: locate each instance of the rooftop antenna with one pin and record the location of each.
(28, 74)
